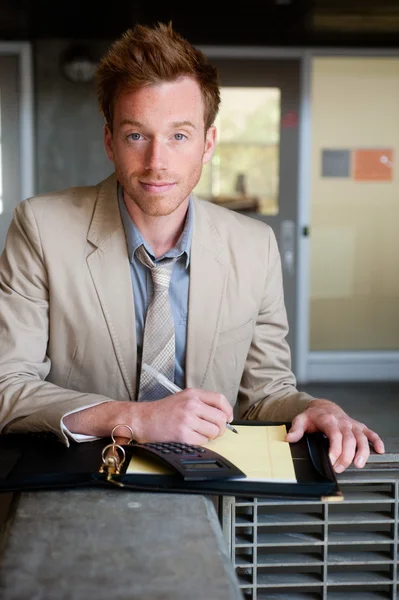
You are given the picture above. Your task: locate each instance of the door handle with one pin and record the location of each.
(287, 242)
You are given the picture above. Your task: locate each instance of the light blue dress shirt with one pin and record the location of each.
(143, 286)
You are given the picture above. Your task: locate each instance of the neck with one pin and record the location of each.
(160, 232)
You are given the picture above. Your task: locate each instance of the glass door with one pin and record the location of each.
(255, 166)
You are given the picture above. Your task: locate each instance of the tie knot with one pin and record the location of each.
(160, 272)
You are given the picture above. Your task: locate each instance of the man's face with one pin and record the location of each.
(159, 145)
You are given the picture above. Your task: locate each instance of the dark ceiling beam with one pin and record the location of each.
(217, 22)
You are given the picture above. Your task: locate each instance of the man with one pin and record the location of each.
(97, 281)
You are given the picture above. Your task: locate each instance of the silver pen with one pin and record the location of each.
(172, 387)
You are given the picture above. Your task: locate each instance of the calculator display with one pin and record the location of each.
(202, 465)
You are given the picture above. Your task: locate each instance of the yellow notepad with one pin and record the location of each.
(259, 451)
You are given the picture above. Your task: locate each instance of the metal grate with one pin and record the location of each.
(304, 549)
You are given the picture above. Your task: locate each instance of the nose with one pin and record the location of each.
(156, 156)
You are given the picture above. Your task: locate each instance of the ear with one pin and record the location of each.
(108, 143)
(210, 143)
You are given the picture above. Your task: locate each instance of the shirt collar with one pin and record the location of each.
(134, 238)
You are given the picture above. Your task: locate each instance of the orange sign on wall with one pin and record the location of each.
(373, 165)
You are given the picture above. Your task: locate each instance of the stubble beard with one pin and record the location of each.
(158, 205)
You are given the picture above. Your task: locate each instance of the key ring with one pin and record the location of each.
(114, 455)
(115, 460)
(127, 427)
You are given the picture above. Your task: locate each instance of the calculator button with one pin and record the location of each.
(165, 451)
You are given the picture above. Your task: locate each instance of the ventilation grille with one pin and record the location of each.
(307, 549)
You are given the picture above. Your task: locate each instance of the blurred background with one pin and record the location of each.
(308, 141)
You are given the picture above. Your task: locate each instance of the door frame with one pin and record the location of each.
(315, 366)
(23, 51)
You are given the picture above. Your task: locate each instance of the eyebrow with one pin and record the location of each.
(175, 124)
(178, 124)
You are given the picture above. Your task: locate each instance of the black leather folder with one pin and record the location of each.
(35, 461)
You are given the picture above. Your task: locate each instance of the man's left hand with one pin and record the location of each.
(349, 439)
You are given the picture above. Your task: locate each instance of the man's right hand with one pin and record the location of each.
(192, 416)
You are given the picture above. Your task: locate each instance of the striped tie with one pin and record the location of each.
(159, 331)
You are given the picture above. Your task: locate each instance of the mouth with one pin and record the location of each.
(156, 187)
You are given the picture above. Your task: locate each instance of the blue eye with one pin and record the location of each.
(134, 136)
(179, 136)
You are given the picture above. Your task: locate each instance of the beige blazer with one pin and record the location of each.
(67, 323)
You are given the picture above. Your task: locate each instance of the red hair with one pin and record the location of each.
(151, 55)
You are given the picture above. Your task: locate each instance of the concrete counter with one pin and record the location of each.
(100, 544)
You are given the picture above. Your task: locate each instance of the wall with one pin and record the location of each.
(354, 239)
(69, 126)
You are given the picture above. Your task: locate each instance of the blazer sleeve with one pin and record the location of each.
(268, 385)
(27, 401)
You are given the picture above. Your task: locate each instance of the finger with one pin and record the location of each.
(297, 429)
(375, 439)
(213, 415)
(348, 449)
(217, 401)
(206, 429)
(363, 448)
(188, 432)
(332, 431)
(196, 439)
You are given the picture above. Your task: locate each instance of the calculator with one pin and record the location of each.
(193, 463)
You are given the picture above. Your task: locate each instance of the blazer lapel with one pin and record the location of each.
(208, 276)
(110, 270)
